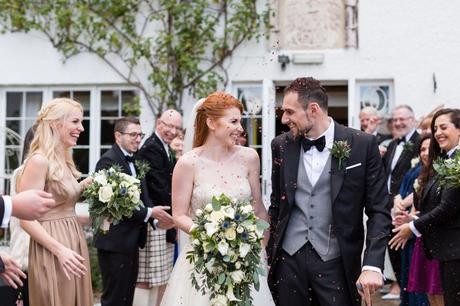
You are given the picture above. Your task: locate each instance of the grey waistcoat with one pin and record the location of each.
(311, 216)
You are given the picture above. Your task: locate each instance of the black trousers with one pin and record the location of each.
(119, 276)
(305, 280)
(395, 259)
(450, 280)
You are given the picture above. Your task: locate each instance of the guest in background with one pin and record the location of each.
(370, 122)
(177, 145)
(439, 221)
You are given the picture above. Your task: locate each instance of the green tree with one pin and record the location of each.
(163, 47)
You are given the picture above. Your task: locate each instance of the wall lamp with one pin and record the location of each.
(283, 59)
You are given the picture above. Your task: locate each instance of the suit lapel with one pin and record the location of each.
(162, 148)
(406, 154)
(337, 175)
(428, 187)
(291, 166)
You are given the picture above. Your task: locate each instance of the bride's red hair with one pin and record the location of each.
(213, 107)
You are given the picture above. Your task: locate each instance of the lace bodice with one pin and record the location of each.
(214, 178)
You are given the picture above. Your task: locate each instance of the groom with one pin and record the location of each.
(317, 204)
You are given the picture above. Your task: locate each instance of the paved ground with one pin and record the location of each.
(376, 301)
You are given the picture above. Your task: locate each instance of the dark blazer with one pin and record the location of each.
(439, 221)
(402, 166)
(159, 176)
(362, 187)
(2, 208)
(130, 233)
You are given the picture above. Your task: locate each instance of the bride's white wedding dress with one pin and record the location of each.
(211, 178)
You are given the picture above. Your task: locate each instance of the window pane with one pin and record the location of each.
(12, 157)
(127, 98)
(13, 104)
(109, 103)
(107, 137)
(253, 127)
(84, 137)
(61, 94)
(33, 103)
(251, 97)
(14, 125)
(84, 97)
(81, 159)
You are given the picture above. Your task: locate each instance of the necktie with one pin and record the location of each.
(401, 139)
(129, 159)
(319, 143)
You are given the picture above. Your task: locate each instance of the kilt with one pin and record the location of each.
(155, 259)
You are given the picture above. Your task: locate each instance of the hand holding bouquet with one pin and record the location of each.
(113, 195)
(227, 244)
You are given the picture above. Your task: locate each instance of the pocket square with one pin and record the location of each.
(353, 166)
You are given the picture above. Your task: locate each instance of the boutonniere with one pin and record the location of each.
(340, 150)
(416, 185)
(142, 167)
(414, 162)
(408, 146)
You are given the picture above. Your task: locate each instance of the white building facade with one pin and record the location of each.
(372, 52)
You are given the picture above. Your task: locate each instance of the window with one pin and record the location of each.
(21, 110)
(113, 105)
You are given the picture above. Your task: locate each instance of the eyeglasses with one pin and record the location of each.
(170, 126)
(402, 119)
(134, 134)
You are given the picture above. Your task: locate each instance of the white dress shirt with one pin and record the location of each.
(398, 151)
(8, 210)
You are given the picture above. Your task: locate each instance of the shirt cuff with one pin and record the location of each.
(414, 230)
(371, 268)
(8, 210)
(149, 213)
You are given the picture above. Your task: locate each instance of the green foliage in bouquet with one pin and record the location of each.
(448, 171)
(113, 195)
(227, 244)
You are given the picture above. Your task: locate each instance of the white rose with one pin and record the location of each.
(244, 249)
(105, 194)
(238, 265)
(230, 234)
(216, 216)
(134, 194)
(237, 276)
(223, 248)
(100, 179)
(229, 212)
(246, 209)
(239, 229)
(220, 300)
(211, 228)
(198, 212)
(208, 207)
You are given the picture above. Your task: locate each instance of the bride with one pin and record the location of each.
(215, 166)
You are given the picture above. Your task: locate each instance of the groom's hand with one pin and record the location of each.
(367, 283)
(165, 220)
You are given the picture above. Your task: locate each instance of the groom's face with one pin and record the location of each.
(294, 115)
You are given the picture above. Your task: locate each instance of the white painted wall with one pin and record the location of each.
(406, 41)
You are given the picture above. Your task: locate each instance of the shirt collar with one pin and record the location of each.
(125, 153)
(451, 151)
(328, 134)
(409, 135)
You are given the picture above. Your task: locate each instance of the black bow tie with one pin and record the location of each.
(401, 139)
(129, 159)
(319, 143)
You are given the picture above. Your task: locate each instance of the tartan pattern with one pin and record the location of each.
(155, 259)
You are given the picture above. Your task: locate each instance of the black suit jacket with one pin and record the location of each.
(402, 166)
(362, 187)
(130, 233)
(159, 177)
(2, 208)
(439, 221)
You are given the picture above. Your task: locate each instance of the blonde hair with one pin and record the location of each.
(46, 141)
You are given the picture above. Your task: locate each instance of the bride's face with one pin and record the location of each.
(228, 127)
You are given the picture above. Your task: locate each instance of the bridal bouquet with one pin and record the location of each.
(448, 171)
(113, 195)
(227, 244)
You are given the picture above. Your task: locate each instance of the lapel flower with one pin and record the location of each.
(340, 150)
(142, 167)
(408, 146)
(416, 185)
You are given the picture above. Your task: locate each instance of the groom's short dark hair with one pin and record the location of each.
(308, 90)
(123, 122)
